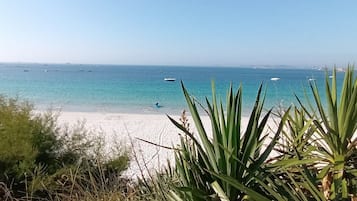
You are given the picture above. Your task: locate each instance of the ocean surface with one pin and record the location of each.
(136, 89)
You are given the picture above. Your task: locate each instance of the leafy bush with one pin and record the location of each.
(38, 158)
(20, 134)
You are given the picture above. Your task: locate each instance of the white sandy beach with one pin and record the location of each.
(120, 127)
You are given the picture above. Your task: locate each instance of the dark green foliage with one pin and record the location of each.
(117, 164)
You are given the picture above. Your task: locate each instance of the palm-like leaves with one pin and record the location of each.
(323, 140)
(231, 160)
(337, 127)
(318, 149)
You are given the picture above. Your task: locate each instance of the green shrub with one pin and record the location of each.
(38, 158)
(17, 133)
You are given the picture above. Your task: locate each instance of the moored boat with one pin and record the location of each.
(170, 79)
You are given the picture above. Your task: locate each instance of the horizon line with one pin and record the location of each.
(176, 65)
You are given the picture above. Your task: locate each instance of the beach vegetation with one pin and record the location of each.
(231, 165)
(38, 159)
(315, 147)
(321, 139)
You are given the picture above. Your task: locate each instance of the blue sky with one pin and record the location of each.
(179, 32)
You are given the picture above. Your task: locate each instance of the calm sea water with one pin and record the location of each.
(135, 89)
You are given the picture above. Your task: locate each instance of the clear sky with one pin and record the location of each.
(179, 32)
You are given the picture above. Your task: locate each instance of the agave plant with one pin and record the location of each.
(329, 138)
(336, 137)
(295, 165)
(228, 166)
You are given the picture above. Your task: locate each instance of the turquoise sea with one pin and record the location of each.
(136, 89)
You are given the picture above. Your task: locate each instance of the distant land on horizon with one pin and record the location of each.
(270, 66)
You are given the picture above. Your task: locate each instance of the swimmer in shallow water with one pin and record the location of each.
(157, 105)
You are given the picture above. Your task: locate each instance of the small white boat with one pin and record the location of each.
(340, 70)
(170, 79)
(275, 78)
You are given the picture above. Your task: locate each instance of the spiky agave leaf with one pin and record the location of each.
(231, 152)
(334, 126)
